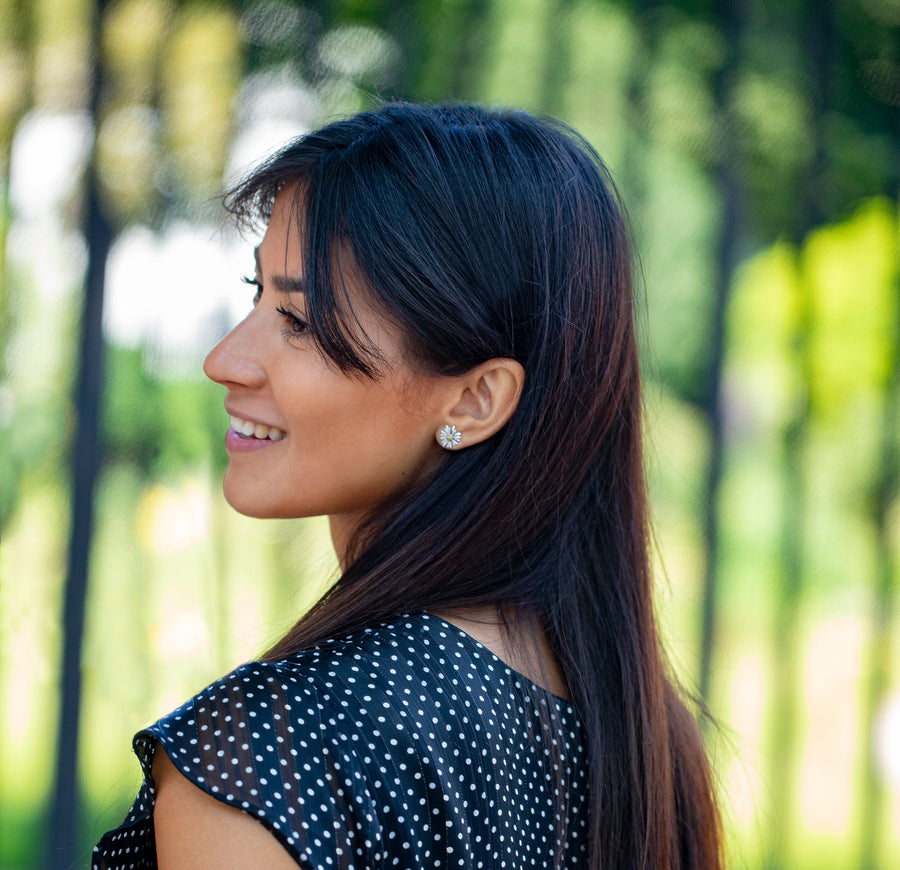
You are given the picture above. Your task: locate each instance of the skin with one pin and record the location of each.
(349, 443)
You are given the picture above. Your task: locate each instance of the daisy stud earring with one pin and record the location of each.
(449, 437)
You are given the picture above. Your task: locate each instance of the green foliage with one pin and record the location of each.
(763, 320)
(32, 437)
(852, 268)
(678, 264)
(204, 49)
(132, 424)
(158, 426)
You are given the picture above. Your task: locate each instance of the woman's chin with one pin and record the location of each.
(250, 504)
(257, 502)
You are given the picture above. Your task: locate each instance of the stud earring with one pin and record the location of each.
(449, 437)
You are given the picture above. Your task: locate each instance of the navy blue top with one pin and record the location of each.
(405, 745)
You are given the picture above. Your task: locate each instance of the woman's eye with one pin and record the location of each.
(254, 282)
(294, 326)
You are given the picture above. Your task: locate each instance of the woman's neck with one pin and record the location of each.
(524, 647)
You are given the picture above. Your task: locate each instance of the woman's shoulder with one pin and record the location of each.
(345, 693)
(412, 643)
(275, 700)
(408, 714)
(274, 740)
(386, 656)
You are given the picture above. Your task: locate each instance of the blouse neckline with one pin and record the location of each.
(490, 654)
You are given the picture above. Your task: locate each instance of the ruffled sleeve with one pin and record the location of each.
(257, 740)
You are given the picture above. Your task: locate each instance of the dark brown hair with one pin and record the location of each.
(495, 234)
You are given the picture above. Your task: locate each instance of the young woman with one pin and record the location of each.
(441, 358)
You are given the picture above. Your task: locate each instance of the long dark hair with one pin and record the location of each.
(489, 234)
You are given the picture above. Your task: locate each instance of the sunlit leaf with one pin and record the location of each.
(851, 268)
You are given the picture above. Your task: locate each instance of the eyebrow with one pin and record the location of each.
(286, 284)
(282, 283)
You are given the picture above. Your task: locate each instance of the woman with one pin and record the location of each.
(442, 359)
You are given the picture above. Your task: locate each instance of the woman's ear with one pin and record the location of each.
(481, 402)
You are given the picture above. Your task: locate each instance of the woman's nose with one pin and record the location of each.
(235, 360)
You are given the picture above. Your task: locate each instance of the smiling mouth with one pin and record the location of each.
(246, 429)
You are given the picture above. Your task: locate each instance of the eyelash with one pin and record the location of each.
(294, 326)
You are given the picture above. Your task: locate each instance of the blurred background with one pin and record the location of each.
(757, 145)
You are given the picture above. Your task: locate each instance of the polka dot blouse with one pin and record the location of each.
(406, 745)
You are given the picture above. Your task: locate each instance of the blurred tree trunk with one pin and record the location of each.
(401, 19)
(557, 52)
(786, 682)
(817, 39)
(730, 15)
(474, 38)
(634, 182)
(881, 655)
(883, 609)
(64, 821)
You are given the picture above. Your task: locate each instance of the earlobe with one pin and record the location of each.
(483, 401)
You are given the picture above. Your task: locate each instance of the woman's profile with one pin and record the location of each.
(441, 358)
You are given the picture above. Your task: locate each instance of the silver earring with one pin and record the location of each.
(449, 437)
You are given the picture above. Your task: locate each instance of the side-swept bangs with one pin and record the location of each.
(329, 265)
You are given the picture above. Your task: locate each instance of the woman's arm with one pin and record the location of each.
(194, 831)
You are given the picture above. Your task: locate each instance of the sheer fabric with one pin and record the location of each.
(404, 745)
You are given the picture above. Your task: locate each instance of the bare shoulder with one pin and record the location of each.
(194, 830)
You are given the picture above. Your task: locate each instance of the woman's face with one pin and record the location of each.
(305, 438)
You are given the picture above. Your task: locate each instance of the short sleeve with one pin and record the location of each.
(258, 740)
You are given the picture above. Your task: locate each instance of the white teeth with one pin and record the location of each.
(256, 430)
